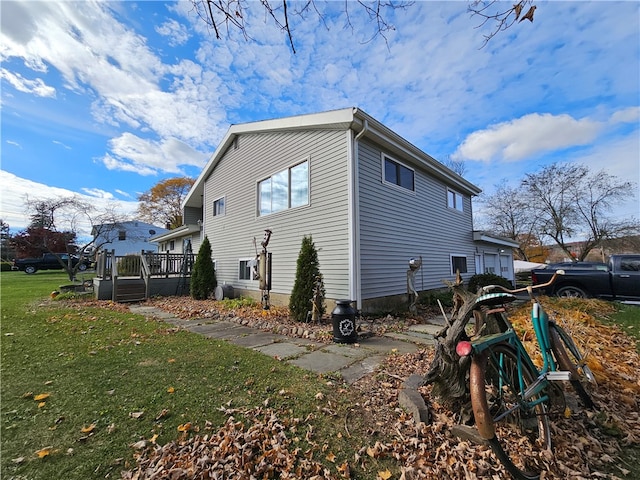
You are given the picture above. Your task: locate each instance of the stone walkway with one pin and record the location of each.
(351, 361)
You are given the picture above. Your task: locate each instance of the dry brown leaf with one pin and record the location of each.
(44, 452)
(384, 475)
(88, 428)
(41, 396)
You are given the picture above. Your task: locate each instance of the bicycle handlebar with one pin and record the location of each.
(529, 289)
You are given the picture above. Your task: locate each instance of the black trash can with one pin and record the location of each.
(344, 322)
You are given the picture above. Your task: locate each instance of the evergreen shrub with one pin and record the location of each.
(203, 276)
(307, 270)
(484, 279)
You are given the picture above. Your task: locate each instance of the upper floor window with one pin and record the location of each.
(286, 189)
(122, 235)
(398, 174)
(218, 207)
(454, 200)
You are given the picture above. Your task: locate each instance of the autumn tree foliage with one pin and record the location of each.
(162, 204)
(203, 276)
(307, 274)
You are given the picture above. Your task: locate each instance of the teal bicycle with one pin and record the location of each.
(512, 400)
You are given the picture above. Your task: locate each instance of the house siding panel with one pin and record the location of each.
(236, 177)
(393, 229)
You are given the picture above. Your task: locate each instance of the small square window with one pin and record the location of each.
(458, 263)
(247, 269)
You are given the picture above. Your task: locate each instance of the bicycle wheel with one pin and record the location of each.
(570, 359)
(517, 431)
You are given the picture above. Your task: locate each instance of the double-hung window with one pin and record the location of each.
(454, 200)
(398, 174)
(286, 189)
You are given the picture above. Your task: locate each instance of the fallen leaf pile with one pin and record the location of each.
(267, 444)
(267, 448)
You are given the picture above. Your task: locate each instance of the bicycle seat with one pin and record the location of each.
(495, 299)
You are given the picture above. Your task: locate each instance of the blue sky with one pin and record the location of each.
(106, 99)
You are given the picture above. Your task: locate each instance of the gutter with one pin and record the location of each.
(355, 277)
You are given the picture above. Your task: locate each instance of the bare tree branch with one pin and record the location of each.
(492, 11)
(231, 14)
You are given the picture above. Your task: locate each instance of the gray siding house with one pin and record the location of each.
(370, 199)
(127, 237)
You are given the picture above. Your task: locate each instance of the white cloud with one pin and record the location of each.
(176, 32)
(37, 87)
(134, 154)
(527, 136)
(66, 147)
(628, 115)
(98, 193)
(98, 56)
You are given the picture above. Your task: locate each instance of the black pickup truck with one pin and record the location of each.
(619, 279)
(48, 261)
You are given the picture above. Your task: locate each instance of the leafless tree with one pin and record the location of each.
(76, 217)
(572, 203)
(509, 214)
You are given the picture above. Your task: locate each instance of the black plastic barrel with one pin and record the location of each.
(344, 322)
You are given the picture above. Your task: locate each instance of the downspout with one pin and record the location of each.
(354, 210)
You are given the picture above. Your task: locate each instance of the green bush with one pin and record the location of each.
(430, 298)
(484, 279)
(203, 275)
(5, 266)
(232, 303)
(307, 270)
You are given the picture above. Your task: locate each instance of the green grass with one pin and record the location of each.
(102, 368)
(628, 317)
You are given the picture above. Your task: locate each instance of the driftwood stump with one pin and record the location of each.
(449, 372)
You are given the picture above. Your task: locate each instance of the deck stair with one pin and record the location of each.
(130, 290)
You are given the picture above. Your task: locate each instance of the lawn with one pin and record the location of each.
(91, 392)
(81, 385)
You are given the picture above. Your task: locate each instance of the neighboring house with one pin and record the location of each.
(177, 240)
(124, 238)
(370, 199)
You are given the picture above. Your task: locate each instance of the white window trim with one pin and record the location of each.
(456, 195)
(306, 160)
(252, 264)
(384, 157)
(224, 206)
(451, 256)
